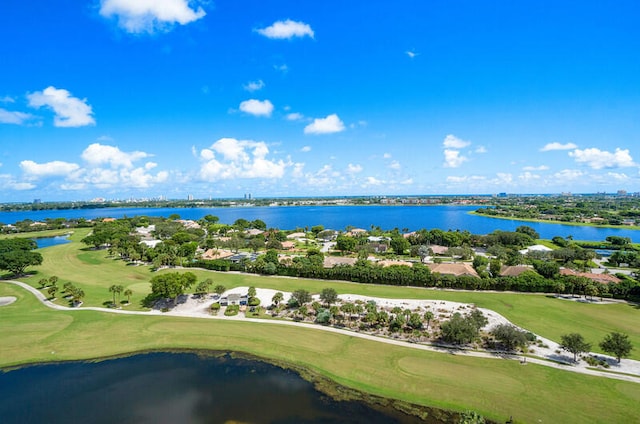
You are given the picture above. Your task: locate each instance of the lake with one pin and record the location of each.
(339, 217)
(174, 388)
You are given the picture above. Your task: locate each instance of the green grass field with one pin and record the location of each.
(498, 389)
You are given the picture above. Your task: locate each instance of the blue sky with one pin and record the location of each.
(121, 99)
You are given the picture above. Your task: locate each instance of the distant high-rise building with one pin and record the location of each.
(622, 192)
(190, 197)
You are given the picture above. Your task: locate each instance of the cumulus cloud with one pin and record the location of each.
(48, 169)
(536, 168)
(229, 158)
(598, 159)
(481, 149)
(69, 111)
(411, 53)
(306, 149)
(141, 16)
(7, 182)
(7, 99)
(252, 86)
(387, 156)
(286, 30)
(98, 154)
(373, 181)
(354, 169)
(256, 107)
(328, 125)
(558, 146)
(453, 159)
(568, 174)
(453, 142)
(14, 117)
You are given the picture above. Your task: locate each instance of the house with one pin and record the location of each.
(535, 248)
(212, 254)
(598, 278)
(254, 232)
(390, 262)
(457, 269)
(288, 245)
(378, 247)
(294, 236)
(514, 271)
(438, 250)
(189, 224)
(356, 232)
(331, 261)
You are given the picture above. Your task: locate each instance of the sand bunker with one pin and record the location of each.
(8, 300)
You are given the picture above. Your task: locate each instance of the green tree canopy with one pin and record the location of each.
(172, 285)
(617, 344)
(575, 344)
(16, 255)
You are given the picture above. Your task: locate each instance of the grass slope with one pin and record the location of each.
(497, 389)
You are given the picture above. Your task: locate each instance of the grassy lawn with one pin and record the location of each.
(45, 233)
(497, 389)
(94, 271)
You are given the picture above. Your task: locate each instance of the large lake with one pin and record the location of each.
(173, 388)
(339, 217)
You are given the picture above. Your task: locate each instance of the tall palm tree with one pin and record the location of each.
(128, 293)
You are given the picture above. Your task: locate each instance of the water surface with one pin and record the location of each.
(170, 388)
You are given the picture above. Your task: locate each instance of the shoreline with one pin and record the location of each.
(320, 382)
(547, 221)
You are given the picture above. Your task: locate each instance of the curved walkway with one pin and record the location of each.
(431, 348)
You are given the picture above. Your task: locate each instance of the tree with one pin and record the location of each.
(399, 244)
(329, 296)
(509, 336)
(277, 298)
(301, 297)
(616, 344)
(525, 229)
(575, 344)
(172, 285)
(428, 316)
(345, 243)
(52, 291)
(219, 289)
(116, 290)
(459, 329)
(16, 255)
(128, 293)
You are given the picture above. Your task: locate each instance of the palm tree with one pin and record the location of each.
(128, 293)
(428, 316)
(277, 298)
(116, 289)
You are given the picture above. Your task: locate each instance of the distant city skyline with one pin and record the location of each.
(116, 99)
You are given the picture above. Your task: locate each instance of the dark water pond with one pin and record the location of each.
(51, 241)
(173, 389)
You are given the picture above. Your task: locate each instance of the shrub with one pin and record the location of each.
(215, 306)
(253, 301)
(232, 310)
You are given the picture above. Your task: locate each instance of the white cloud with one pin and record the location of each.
(150, 15)
(481, 149)
(453, 142)
(328, 125)
(14, 117)
(528, 177)
(620, 177)
(256, 107)
(598, 159)
(408, 181)
(568, 174)
(295, 116)
(353, 169)
(252, 86)
(374, 181)
(239, 159)
(536, 168)
(411, 53)
(558, 146)
(453, 159)
(70, 111)
(53, 168)
(97, 154)
(306, 149)
(7, 99)
(286, 30)
(282, 68)
(8, 182)
(387, 156)
(395, 165)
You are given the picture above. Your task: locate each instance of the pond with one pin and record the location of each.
(174, 388)
(51, 241)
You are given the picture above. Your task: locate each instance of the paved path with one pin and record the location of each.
(431, 348)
